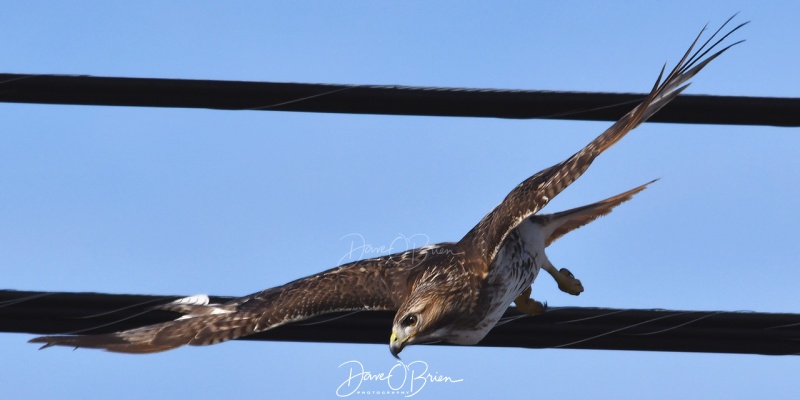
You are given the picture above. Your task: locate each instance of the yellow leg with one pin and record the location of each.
(527, 305)
(566, 281)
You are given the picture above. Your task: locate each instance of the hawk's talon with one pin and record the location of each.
(527, 305)
(567, 282)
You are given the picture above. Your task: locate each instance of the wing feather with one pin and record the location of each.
(372, 284)
(485, 239)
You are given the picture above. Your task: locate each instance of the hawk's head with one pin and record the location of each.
(430, 312)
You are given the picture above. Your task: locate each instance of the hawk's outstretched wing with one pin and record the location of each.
(385, 283)
(485, 239)
(373, 284)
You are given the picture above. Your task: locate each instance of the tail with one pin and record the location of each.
(203, 324)
(561, 223)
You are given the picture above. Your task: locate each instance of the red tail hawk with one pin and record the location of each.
(449, 292)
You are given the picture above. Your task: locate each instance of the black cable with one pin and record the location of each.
(47, 313)
(393, 100)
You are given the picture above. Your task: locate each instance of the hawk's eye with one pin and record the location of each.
(410, 320)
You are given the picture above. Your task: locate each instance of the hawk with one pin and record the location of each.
(451, 292)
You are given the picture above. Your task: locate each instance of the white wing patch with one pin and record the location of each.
(195, 306)
(196, 300)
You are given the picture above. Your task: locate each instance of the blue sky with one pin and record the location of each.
(171, 201)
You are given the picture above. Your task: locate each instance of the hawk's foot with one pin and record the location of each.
(567, 282)
(527, 305)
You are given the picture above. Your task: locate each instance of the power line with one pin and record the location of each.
(572, 328)
(392, 100)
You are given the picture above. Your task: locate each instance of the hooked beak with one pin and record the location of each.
(396, 345)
